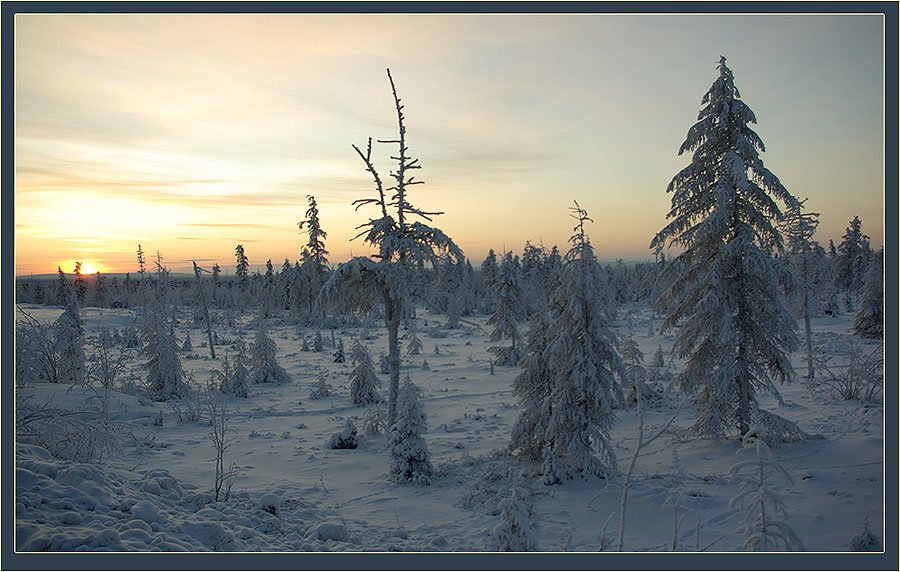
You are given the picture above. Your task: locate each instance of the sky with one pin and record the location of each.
(190, 134)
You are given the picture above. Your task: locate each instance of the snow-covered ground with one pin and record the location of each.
(153, 491)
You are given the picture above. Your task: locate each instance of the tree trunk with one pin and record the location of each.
(209, 336)
(392, 322)
(809, 353)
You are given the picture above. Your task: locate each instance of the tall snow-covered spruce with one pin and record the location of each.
(313, 261)
(403, 247)
(573, 375)
(509, 311)
(724, 289)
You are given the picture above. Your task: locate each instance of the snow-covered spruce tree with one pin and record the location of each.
(866, 541)
(764, 527)
(268, 298)
(403, 246)
(723, 290)
(320, 389)
(515, 533)
(165, 375)
(142, 262)
(80, 284)
(410, 458)
(851, 262)
(798, 227)
(317, 345)
(241, 269)
(264, 367)
(313, 260)
(364, 382)
(636, 375)
(509, 310)
(489, 272)
(69, 342)
(869, 321)
(414, 346)
(339, 356)
(63, 289)
(569, 389)
(235, 379)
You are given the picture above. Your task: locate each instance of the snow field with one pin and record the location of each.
(292, 492)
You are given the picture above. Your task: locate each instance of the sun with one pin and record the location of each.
(88, 268)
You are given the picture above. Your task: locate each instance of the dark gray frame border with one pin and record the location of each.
(10, 560)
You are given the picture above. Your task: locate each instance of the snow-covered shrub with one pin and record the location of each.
(510, 309)
(320, 389)
(37, 359)
(414, 347)
(83, 436)
(869, 321)
(514, 533)
(70, 344)
(775, 429)
(851, 372)
(363, 380)
(636, 375)
(763, 527)
(165, 376)
(317, 345)
(130, 337)
(346, 439)
(375, 421)
(339, 356)
(866, 541)
(187, 346)
(217, 407)
(234, 379)
(264, 367)
(410, 458)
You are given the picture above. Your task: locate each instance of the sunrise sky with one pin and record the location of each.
(190, 134)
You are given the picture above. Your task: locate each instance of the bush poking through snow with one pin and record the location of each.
(375, 421)
(339, 356)
(165, 376)
(346, 439)
(317, 342)
(320, 389)
(410, 458)
(70, 344)
(364, 382)
(263, 362)
(235, 379)
(866, 541)
(414, 347)
(514, 533)
(853, 372)
(217, 407)
(763, 527)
